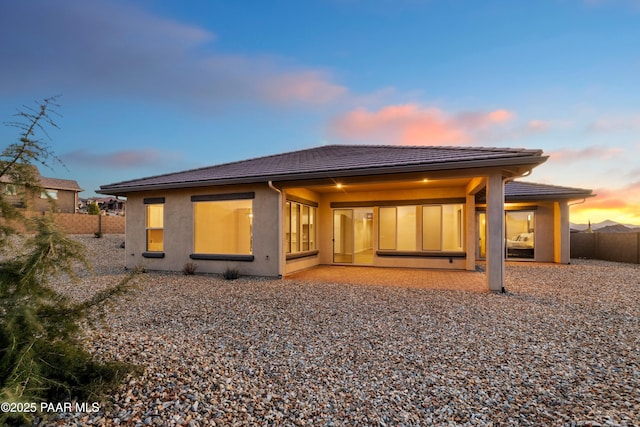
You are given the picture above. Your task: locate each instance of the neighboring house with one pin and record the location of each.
(385, 206)
(64, 193)
(109, 205)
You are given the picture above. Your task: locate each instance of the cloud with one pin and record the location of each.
(615, 124)
(413, 124)
(107, 48)
(124, 159)
(572, 155)
(621, 204)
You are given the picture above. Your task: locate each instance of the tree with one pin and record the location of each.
(93, 208)
(41, 356)
(17, 162)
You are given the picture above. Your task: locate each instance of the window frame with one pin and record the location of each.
(148, 204)
(223, 198)
(421, 227)
(301, 241)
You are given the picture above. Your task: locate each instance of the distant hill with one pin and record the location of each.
(607, 226)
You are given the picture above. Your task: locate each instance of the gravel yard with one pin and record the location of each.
(562, 347)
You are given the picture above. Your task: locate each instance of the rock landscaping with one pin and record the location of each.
(560, 348)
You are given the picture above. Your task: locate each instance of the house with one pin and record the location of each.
(385, 206)
(109, 205)
(63, 192)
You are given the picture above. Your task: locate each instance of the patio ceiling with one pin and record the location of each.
(388, 186)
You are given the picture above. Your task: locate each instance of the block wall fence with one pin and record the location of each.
(618, 247)
(84, 223)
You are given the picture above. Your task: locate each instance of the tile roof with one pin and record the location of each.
(520, 191)
(332, 161)
(51, 183)
(59, 184)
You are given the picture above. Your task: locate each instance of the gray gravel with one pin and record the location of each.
(562, 347)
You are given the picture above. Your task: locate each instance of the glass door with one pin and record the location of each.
(343, 236)
(482, 235)
(353, 236)
(519, 230)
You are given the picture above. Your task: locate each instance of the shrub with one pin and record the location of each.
(139, 269)
(231, 273)
(41, 352)
(93, 209)
(189, 268)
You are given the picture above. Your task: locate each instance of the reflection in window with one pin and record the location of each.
(49, 194)
(223, 227)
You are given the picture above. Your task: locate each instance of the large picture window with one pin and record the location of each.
(155, 227)
(300, 227)
(442, 228)
(223, 227)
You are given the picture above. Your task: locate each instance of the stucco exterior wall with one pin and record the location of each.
(178, 231)
(65, 203)
(544, 232)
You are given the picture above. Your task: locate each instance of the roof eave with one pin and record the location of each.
(532, 161)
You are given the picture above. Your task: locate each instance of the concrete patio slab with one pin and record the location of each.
(401, 277)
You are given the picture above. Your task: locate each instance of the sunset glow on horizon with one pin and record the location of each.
(155, 87)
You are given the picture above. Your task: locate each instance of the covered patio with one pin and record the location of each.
(450, 280)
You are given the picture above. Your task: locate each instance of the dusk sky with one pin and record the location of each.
(156, 86)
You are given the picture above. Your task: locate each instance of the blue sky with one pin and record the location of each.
(150, 87)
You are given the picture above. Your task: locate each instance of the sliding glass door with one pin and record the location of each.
(353, 236)
(519, 233)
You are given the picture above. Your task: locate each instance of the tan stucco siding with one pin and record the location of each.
(178, 231)
(65, 203)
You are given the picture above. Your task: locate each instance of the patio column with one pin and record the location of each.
(472, 240)
(561, 233)
(475, 185)
(495, 232)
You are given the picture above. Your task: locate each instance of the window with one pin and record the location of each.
(49, 194)
(387, 235)
(223, 227)
(10, 190)
(519, 231)
(432, 228)
(442, 228)
(300, 228)
(155, 227)
(398, 228)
